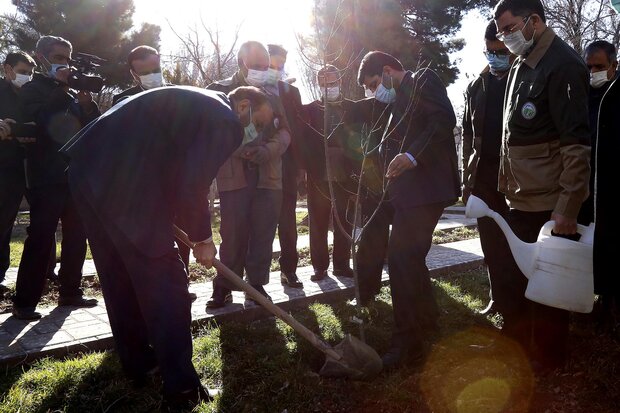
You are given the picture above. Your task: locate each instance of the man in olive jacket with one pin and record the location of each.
(545, 168)
(250, 184)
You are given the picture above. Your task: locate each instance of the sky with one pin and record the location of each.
(277, 21)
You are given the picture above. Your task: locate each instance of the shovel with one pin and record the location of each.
(351, 358)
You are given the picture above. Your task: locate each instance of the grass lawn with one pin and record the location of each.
(265, 367)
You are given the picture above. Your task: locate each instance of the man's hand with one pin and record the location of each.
(205, 253)
(5, 128)
(399, 164)
(84, 98)
(564, 225)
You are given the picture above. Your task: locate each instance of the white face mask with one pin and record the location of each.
(20, 79)
(369, 93)
(385, 95)
(333, 93)
(250, 132)
(256, 78)
(598, 79)
(152, 80)
(516, 43)
(273, 76)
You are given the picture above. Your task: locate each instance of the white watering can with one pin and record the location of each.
(559, 270)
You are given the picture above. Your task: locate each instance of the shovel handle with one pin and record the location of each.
(263, 301)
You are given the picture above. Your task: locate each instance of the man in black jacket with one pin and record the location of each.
(291, 166)
(59, 113)
(145, 68)
(18, 67)
(166, 146)
(342, 166)
(419, 161)
(482, 140)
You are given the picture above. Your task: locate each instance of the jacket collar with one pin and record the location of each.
(540, 48)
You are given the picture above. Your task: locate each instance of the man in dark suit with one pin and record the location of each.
(421, 178)
(59, 113)
(166, 146)
(291, 166)
(145, 68)
(321, 205)
(18, 68)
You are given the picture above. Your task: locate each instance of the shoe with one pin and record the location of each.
(343, 272)
(193, 297)
(185, 401)
(78, 301)
(220, 298)
(3, 290)
(249, 300)
(26, 314)
(401, 354)
(318, 275)
(490, 308)
(290, 279)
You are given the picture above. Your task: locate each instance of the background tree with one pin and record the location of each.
(99, 27)
(417, 32)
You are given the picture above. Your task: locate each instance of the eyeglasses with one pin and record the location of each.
(502, 35)
(500, 52)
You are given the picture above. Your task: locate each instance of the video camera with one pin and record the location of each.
(83, 63)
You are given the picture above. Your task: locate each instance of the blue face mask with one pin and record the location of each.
(499, 63)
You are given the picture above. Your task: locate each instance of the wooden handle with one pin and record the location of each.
(265, 302)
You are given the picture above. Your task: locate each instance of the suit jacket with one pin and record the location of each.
(292, 159)
(422, 124)
(274, 139)
(151, 159)
(127, 93)
(58, 117)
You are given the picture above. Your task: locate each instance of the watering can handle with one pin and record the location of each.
(581, 229)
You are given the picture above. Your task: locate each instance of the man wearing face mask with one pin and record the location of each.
(545, 164)
(419, 161)
(59, 113)
(145, 68)
(179, 136)
(250, 182)
(482, 140)
(291, 165)
(600, 57)
(321, 205)
(18, 67)
(606, 244)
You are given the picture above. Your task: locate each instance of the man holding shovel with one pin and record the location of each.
(140, 167)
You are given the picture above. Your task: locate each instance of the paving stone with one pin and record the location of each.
(40, 341)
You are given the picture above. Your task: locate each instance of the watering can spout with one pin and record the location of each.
(524, 253)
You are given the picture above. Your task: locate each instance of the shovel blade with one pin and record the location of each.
(358, 361)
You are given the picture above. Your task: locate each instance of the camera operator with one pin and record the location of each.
(18, 67)
(59, 113)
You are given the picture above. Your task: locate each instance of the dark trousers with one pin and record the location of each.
(494, 246)
(48, 205)
(287, 225)
(147, 301)
(541, 330)
(320, 212)
(12, 187)
(248, 228)
(408, 244)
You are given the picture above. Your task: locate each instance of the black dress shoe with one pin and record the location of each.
(400, 355)
(318, 275)
(26, 314)
(290, 279)
(185, 401)
(3, 290)
(249, 300)
(343, 272)
(193, 297)
(220, 298)
(78, 301)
